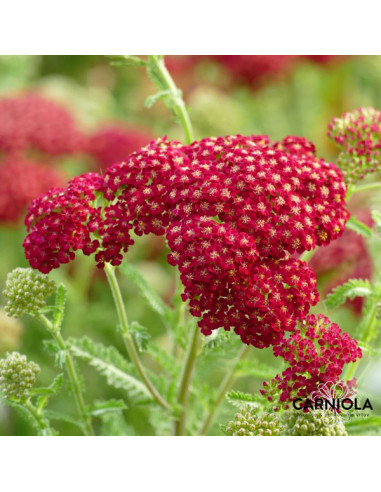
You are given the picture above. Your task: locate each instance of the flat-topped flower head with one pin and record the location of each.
(17, 376)
(358, 136)
(30, 122)
(289, 201)
(26, 291)
(249, 422)
(21, 181)
(286, 202)
(316, 354)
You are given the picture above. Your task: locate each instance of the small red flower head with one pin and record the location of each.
(30, 122)
(315, 354)
(20, 182)
(61, 222)
(358, 136)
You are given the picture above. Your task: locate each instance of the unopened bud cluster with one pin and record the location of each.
(26, 291)
(249, 423)
(314, 423)
(17, 376)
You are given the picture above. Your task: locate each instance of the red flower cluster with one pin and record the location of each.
(31, 122)
(233, 209)
(230, 286)
(288, 202)
(253, 69)
(346, 258)
(20, 182)
(315, 354)
(60, 223)
(31, 125)
(113, 144)
(358, 135)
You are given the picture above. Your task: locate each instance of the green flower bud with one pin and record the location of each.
(249, 423)
(26, 290)
(313, 423)
(17, 376)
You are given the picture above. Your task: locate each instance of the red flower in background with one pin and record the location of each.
(21, 181)
(113, 144)
(347, 257)
(254, 69)
(30, 122)
(33, 133)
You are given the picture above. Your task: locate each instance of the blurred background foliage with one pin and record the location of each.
(300, 100)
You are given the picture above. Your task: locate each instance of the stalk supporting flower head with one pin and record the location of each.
(17, 376)
(26, 291)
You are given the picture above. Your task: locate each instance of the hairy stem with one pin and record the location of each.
(73, 375)
(222, 390)
(127, 338)
(185, 381)
(165, 82)
(42, 424)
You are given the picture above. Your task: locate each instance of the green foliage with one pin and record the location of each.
(101, 407)
(150, 296)
(113, 424)
(364, 426)
(357, 226)
(122, 60)
(164, 360)
(241, 400)
(109, 362)
(63, 417)
(254, 368)
(141, 335)
(60, 303)
(351, 289)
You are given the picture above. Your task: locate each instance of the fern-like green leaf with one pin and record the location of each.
(63, 417)
(109, 362)
(141, 335)
(240, 399)
(106, 406)
(151, 297)
(355, 287)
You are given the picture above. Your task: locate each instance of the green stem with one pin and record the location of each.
(42, 424)
(177, 102)
(351, 369)
(222, 390)
(72, 373)
(365, 187)
(127, 338)
(307, 255)
(185, 381)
